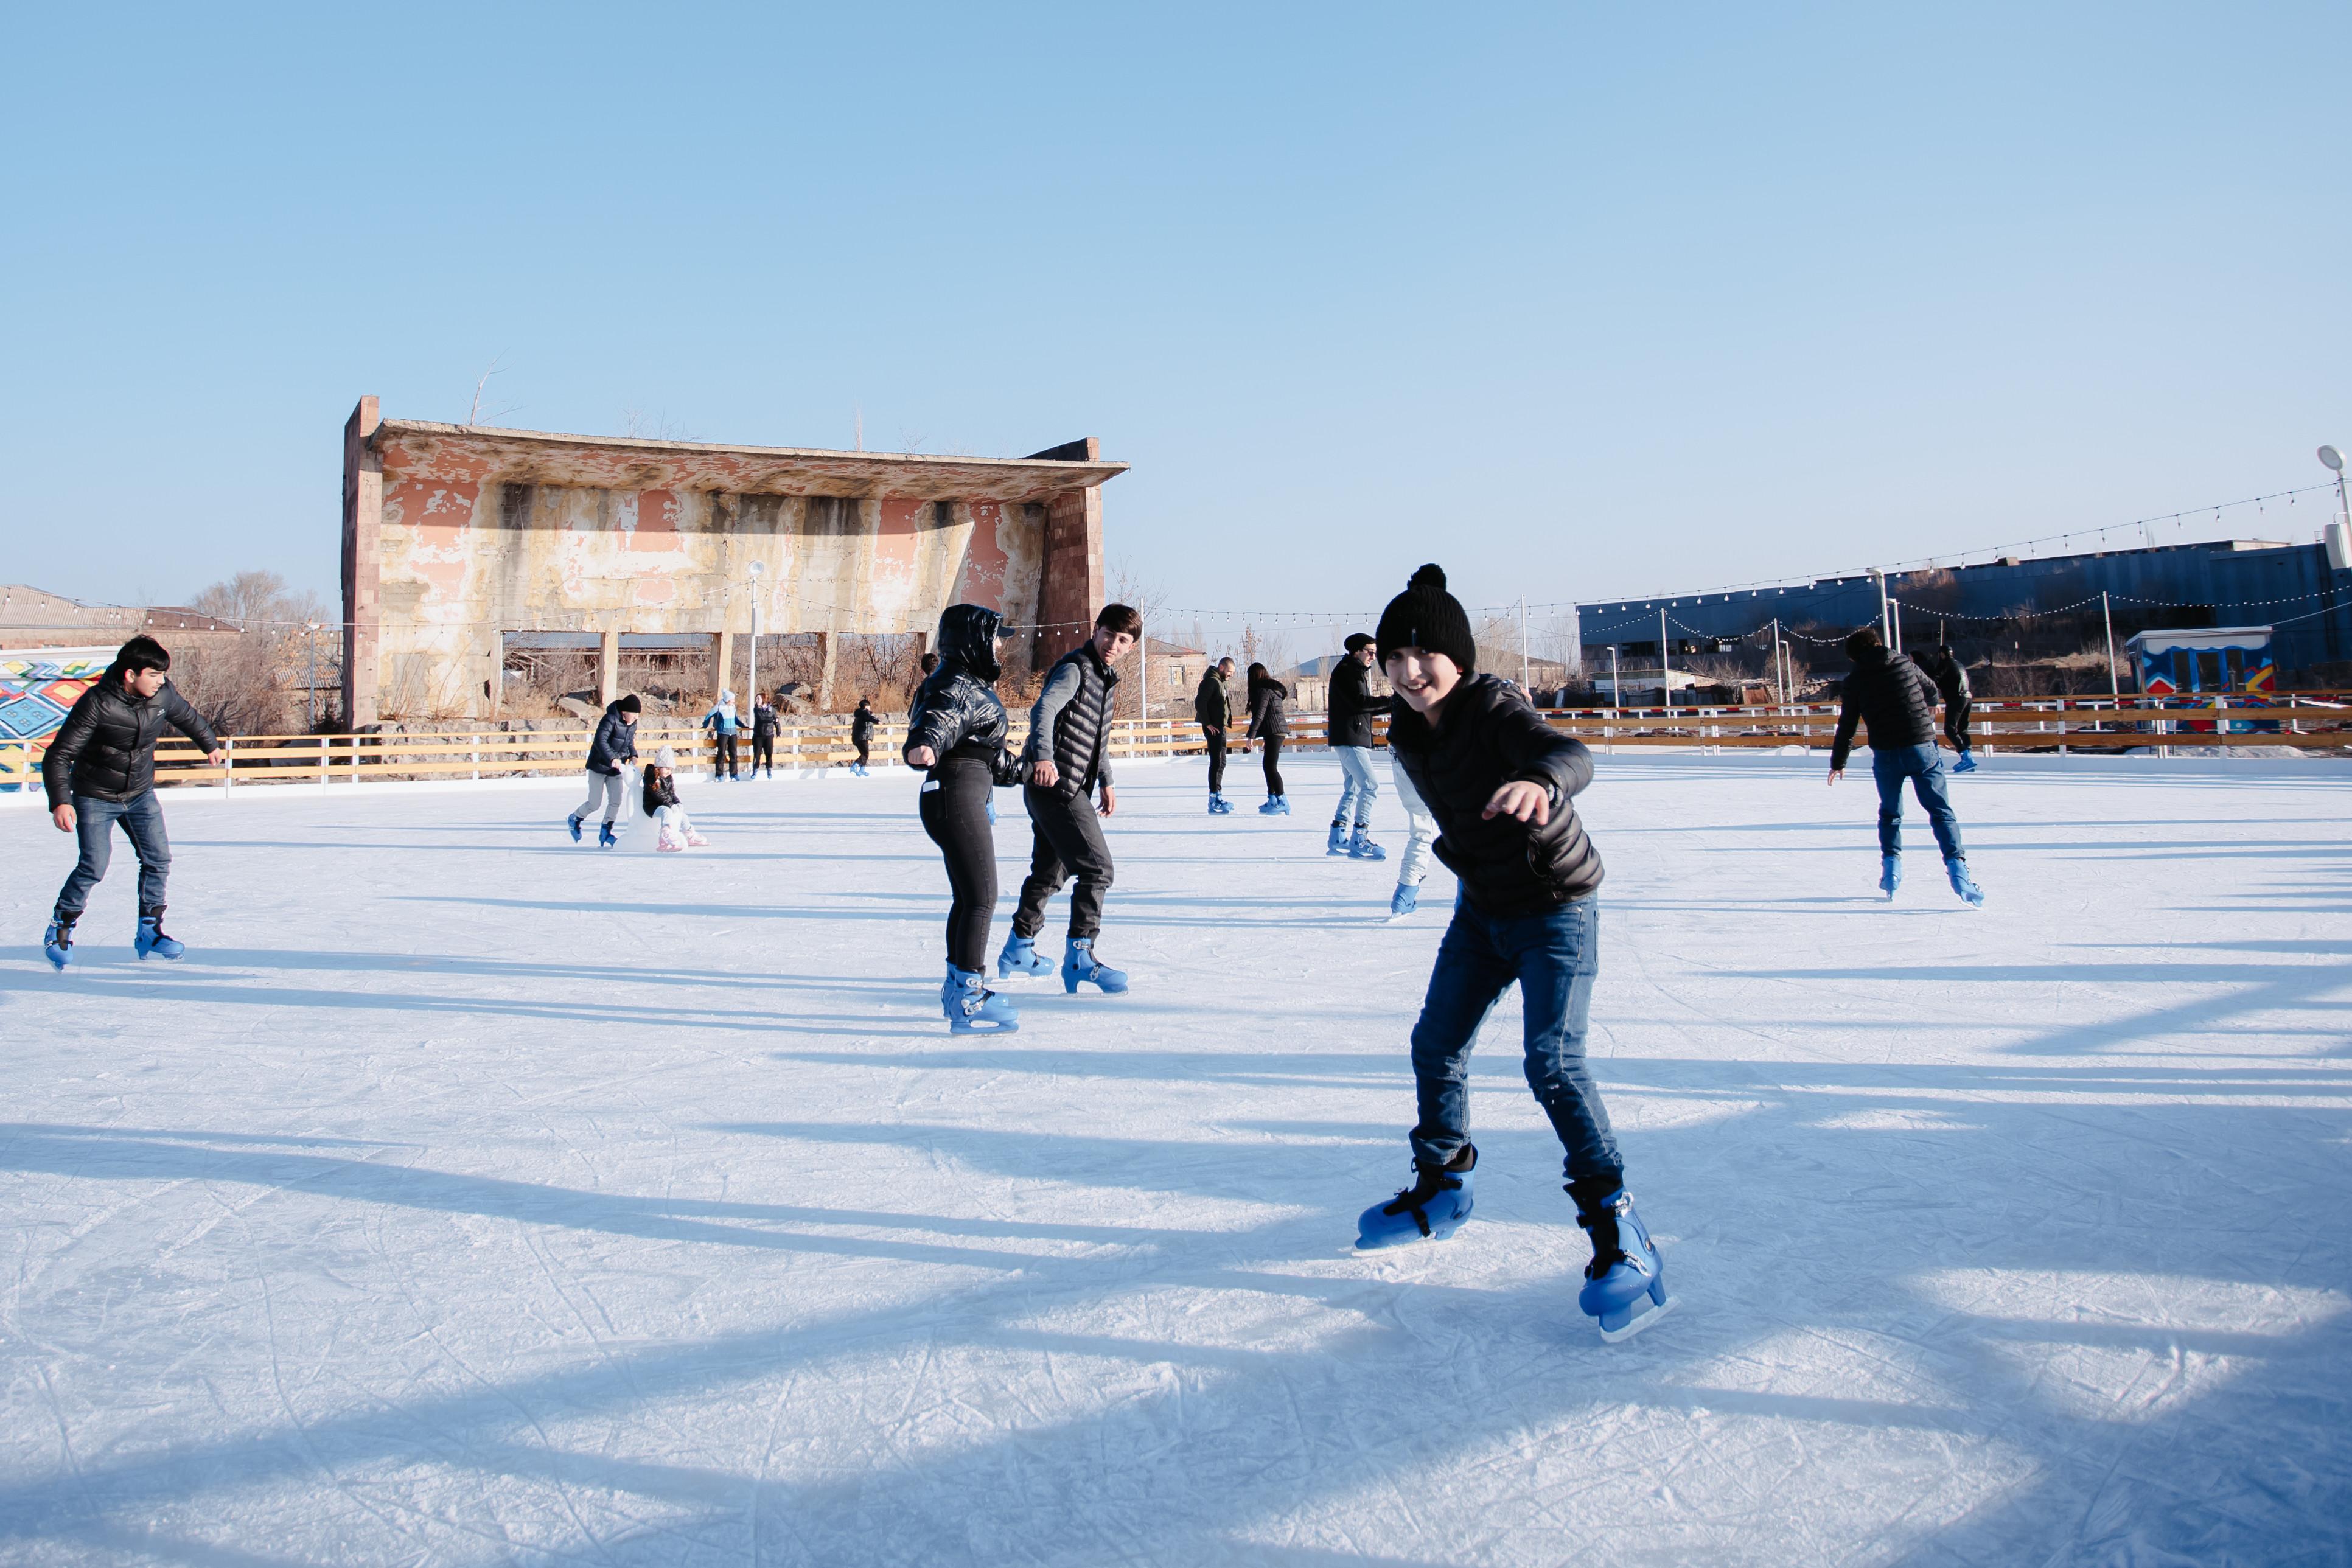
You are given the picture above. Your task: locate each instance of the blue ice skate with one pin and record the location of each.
(57, 942)
(572, 822)
(1625, 1270)
(1431, 1209)
(1360, 846)
(1890, 875)
(971, 1007)
(1962, 883)
(1337, 843)
(1403, 901)
(605, 837)
(1022, 960)
(1220, 807)
(1275, 806)
(151, 942)
(1967, 764)
(1080, 967)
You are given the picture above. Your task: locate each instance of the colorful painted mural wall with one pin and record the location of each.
(37, 687)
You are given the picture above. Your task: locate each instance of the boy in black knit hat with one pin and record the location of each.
(1499, 781)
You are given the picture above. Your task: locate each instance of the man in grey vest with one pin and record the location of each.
(1067, 760)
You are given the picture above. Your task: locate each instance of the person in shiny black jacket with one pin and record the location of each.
(956, 732)
(1896, 700)
(1269, 723)
(100, 770)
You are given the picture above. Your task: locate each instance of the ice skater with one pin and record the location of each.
(100, 770)
(674, 828)
(1212, 710)
(861, 736)
(1420, 834)
(1067, 758)
(723, 722)
(1269, 723)
(1952, 685)
(1500, 782)
(763, 735)
(1895, 702)
(956, 732)
(1354, 708)
(615, 743)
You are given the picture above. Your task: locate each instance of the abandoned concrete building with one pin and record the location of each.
(460, 541)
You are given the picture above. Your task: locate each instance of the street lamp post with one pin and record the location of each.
(2335, 460)
(312, 707)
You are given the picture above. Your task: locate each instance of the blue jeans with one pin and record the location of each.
(1554, 957)
(1361, 789)
(142, 819)
(1923, 765)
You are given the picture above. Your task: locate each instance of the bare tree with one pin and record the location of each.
(1129, 587)
(474, 415)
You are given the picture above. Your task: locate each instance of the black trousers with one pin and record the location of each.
(763, 753)
(1216, 739)
(1956, 724)
(1273, 764)
(861, 753)
(725, 760)
(954, 809)
(1068, 838)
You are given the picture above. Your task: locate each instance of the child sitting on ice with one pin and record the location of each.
(661, 804)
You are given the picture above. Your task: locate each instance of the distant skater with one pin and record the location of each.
(1420, 834)
(615, 743)
(1067, 759)
(1894, 698)
(763, 735)
(1269, 723)
(1500, 782)
(100, 770)
(861, 734)
(674, 828)
(956, 732)
(1951, 685)
(1212, 710)
(723, 723)
(1353, 708)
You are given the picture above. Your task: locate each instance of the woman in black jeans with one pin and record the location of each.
(956, 730)
(1269, 723)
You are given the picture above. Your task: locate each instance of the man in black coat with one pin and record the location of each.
(1894, 698)
(100, 770)
(1067, 759)
(613, 745)
(1952, 685)
(1212, 710)
(1354, 708)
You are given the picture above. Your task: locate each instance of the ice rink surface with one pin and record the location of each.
(468, 1196)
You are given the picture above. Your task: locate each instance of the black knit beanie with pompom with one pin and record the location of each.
(1425, 616)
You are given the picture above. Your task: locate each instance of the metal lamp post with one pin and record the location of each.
(313, 707)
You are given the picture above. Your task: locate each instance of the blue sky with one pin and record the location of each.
(1583, 301)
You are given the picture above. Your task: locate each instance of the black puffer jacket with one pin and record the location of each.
(957, 712)
(1487, 737)
(1893, 697)
(1353, 705)
(106, 748)
(1267, 714)
(861, 725)
(661, 790)
(763, 721)
(1211, 704)
(1071, 721)
(1951, 681)
(616, 742)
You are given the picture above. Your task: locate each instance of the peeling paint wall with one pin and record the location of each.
(476, 536)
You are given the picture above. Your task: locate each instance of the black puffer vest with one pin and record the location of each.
(1082, 729)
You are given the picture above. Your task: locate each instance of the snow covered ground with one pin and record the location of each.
(466, 1196)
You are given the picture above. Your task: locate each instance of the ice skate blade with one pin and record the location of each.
(1014, 1028)
(1613, 1336)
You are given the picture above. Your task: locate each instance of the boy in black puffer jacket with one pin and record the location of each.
(1896, 700)
(1500, 782)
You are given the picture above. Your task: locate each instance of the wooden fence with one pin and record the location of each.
(2054, 725)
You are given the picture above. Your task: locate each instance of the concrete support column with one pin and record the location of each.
(829, 650)
(1071, 589)
(608, 667)
(363, 565)
(722, 663)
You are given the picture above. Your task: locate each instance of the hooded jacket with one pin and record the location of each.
(1890, 694)
(1950, 679)
(1353, 705)
(106, 748)
(1071, 721)
(1213, 704)
(722, 715)
(1488, 736)
(1267, 714)
(616, 742)
(957, 712)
